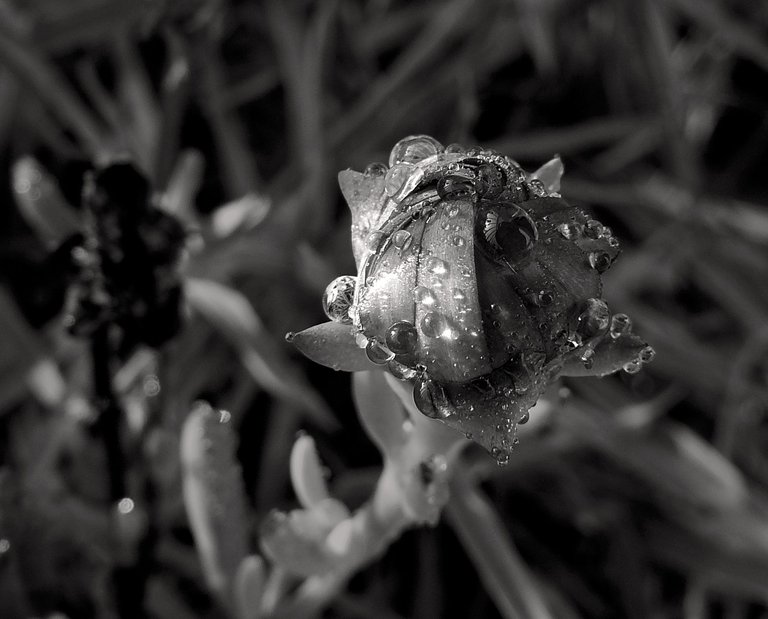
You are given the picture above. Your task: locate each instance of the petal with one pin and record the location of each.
(611, 355)
(368, 204)
(550, 174)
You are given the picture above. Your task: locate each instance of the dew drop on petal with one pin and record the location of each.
(647, 354)
(594, 229)
(434, 324)
(594, 318)
(374, 240)
(396, 178)
(430, 399)
(599, 260)
(453, 209)
(633, 367)
(377, 353)
(458, 241)
(620, 324)
(376, 169)
(588, 358)
(524, 418)
(413, 149)
(338, 298)
(402, 239)
(402, 337)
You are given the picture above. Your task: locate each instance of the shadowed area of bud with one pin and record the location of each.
(476, 282)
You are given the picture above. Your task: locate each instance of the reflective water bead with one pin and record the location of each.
(430, 399)
(599, 260)
(454, 148)
(438, 267)
(402, 239)
(413, 149)
(374, 240)
(453, 210)
(537, 188)
(377, 353)
(594, 318)
(588, 358)
(633, 367)
(338, 298)
(544, 298)
(647, 354)
(458, 241)
(402, 337)
(376, 169)
(424, 295)
(524, 418)
(396, 177)
(434, 324)
(570, 231)
(594, 229)
(620, 324)
(457, 185)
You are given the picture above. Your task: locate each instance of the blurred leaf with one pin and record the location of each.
(307, 473)
(214, 497)
(230, 312)
(486, 541)
(249, 587)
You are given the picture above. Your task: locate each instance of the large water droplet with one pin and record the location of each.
(338, 298)
(396, 178)
(413, 149)
(377, 353)
(524, 418)
(438, 267)
(376, 169)
(588, 358)
(459, 241)
(430, 399)
(509, 232)
(374, 240)
(647, 354)
(599, 260)
(402, 239)
(633, 367)
(402, 337)
(453, 210)
(457, 185)
(620, 324)
(594, 229)
(434, 324)
(594, 318)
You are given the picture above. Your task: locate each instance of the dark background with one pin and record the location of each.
(632, 496)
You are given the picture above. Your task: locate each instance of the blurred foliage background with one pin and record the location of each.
(637, 496)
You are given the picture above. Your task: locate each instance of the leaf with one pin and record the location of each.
(228, 311)
(502, 570)
(380, 412)
(611, 355)
(331, 344)
(214, 496)
(41, 203)
(306, 472)
(249, 587)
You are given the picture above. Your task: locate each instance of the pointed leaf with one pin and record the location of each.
(333, 345)
(307, 472)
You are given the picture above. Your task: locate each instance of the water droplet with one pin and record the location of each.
(376, 169)
(424, 295)
(402, 337)
(413, 149)
(396, 178)
(338, 298)
(434, 324)
(452, 210)
(430, 399)
(544, 298)
(454, 148)
(438, 267)
(570, 230)
(510, 232)
(594, 318)
(374, 240)
(599, 260)
(620, 324)
(613, 241)
(361, 339)
(537, 188)
(594, 229)
(402, 239)
(588, 358)
(501, 456)
(647, 354)
(401, 371)
(633, 367)
(458, 241)
(490, 180)
(457, 185)
(377, 353)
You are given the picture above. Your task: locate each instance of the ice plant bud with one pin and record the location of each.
(477, 282)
